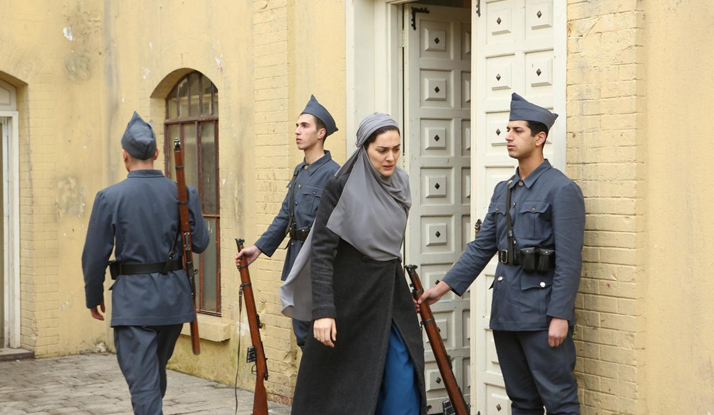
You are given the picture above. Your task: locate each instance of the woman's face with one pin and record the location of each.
(384, 152)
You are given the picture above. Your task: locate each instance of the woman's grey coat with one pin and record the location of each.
(364, 296)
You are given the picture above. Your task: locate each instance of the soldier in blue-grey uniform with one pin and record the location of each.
(300, 205)
(138, 218)
(535, 225)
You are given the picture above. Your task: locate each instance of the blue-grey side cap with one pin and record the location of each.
(139, 139)
(522, 110)
(316, 109)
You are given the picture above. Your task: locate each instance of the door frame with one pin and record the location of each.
(373, 50)
(375, 76)
(11, 234)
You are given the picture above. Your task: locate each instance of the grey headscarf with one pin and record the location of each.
(372, 212)
(371, 215)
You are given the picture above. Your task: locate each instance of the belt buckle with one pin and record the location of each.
(503, 256)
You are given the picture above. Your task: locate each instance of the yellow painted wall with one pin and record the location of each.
(61, 150)
(680, 106)
(83, 67)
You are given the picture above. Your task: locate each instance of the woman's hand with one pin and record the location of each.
(325, 331)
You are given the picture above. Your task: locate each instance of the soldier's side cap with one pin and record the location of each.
(139, 139)
(316, 109)
(522, 110)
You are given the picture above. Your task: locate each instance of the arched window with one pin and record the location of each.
(192, 116)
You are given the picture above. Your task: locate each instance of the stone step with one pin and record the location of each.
(15, 354)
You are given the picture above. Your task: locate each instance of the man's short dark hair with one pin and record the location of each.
(537, 127)
(320, 125)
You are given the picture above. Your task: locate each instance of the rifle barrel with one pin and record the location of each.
(186, 239)
(260, 397)
(437, 345)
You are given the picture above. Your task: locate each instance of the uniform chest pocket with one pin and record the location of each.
(497, 212)
(497, 208)
(534, 219)
(311, 196)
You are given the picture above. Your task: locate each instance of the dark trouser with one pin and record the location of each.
(536, 374)
(142, 352)
(301, 330)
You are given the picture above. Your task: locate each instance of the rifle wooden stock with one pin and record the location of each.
(186, 238)
(443, 361)
(260, 396)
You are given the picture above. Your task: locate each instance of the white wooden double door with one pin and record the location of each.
(455, 125)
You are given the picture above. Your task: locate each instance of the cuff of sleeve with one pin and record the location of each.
(94, 303)
(454, 286)
(560, 314)
(261, 245)
(324, 312)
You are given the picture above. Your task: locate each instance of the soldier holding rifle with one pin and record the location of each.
(535, 224)
(299, 207)
(138, 218)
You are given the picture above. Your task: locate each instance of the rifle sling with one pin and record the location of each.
(509, 224)
(291, 223)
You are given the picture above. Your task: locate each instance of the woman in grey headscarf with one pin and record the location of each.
(366, 356)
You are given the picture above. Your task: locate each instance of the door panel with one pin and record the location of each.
(438, 149)
(514, 52)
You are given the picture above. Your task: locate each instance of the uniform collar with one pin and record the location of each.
(312, 167)
(535, 174)
(145, 173)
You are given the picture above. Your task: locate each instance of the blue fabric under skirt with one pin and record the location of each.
(399, 394)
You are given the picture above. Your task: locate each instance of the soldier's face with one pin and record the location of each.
(306, 133)
(519, 141)
(384, 152)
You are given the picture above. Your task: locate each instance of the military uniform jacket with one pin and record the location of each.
(547, 210)
(138, 218)
(307, 183)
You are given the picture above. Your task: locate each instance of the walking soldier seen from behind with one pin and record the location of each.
(299, 207)
(138, 218)
(534, 225)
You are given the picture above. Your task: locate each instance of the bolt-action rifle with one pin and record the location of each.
(186, 238)
(456, 404)
(256, 354)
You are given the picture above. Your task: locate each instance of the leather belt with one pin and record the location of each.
(299, 234)
(503, 257)
(119, 268)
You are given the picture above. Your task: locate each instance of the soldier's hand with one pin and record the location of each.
(251, 253)
(325, 331)
(433, 294)
(95, 312)
(557, 332)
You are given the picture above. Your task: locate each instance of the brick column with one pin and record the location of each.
(605, 155)
(273, 170)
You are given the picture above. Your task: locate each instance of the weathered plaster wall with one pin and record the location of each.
(680, 105)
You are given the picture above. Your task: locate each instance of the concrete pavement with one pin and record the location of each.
(92, 384)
